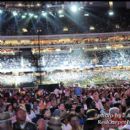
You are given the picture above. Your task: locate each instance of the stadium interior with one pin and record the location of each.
(64, 65)
(54, 42)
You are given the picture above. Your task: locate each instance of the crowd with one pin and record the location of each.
(68, 108)
(79, 58)
(87, 76)
(66, 66)
(68, 60)
(103, 38)
(10, 79)
(10, 63)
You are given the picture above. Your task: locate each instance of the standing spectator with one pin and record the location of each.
(41, 124)
(21, 123)
(65, 122)
(75, 122)
(98, 102)
(54, 124)
(77, 90)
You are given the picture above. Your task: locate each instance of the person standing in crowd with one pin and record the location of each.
(91, 122)
(127, 117)
(21, 122)
(77, 90)
(41, 124)
(2, 106)
(54, 124)
(65, 122)
(75, 122)
(98, 102)
(30, 113)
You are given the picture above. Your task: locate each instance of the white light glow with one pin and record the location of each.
(31, 14)
(15, 13)
(35, 16)
(23, 16)
(92, 28)
(58, 49)
(95, 48)
(1, 11)
(24, 30)
(111, 13)
(65, 29)
(86, 14)
(44, 14)
(38, 4)
(110, 3)
(20, 4)
(74, 8)
(60, 11)
(108, 47)
(61, 15)
(48, 6)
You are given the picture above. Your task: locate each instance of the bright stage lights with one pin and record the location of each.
(31, 14)
(48, 5)
(92, 28)
(60, 11)
(95, 48)
(23, 16)
(20, 4)
(74, 8)
(61, 15)
(111, 3)
(44, 14)
(24, 30)
(1, 11)
(65, 29)
(108, 47)
(38, 4)
(35, 16)
(15, 13)
(111, 13)
(86, 14)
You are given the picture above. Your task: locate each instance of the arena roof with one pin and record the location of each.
(46, 18)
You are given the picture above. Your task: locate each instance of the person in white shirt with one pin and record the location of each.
(98, 102)
(30, 113)
(65, 123)
(127, 116)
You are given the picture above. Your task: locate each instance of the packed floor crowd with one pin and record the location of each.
(87, 76)
(68, 108)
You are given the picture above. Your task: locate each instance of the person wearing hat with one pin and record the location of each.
(80, 111)
(54, 124)
(41, 124)
(65, 121)
(21, 122)
(75, 122)
(92, 120)
(127, 117)
(115, 117)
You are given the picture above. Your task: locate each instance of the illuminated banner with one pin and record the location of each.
(36, 50)
(13, 42)
(7, 51)
(25, 42)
